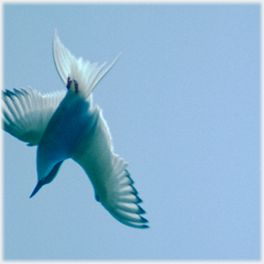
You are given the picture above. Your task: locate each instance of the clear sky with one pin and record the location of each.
(183, 107)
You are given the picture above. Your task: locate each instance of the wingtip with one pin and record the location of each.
(145, 226)
(145, 221)
(141, 210)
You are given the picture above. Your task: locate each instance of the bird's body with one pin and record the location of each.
(67, 125)
(64, 125)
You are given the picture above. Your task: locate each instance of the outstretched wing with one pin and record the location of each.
(108, 174)
(94, 150)
(122, 201)
(85, 73)
(27, 113)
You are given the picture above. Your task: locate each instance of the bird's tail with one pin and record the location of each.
(86, 74)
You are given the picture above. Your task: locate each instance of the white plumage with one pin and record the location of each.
(66, 125)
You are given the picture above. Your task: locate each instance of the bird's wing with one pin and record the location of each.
(94, 150)
(108, 174)
(27, 113)
(121, 200)
(85, 73)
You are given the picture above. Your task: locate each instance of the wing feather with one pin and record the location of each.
(122, 203)
(27, 113)
(107, 171)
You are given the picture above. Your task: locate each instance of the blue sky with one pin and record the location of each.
(183, 107)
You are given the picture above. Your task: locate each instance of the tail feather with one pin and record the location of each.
(86, 74)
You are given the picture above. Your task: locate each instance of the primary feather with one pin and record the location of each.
(27, 113)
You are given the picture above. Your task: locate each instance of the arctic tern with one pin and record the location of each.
(65, 124)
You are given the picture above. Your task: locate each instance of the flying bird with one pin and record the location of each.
(65, 124)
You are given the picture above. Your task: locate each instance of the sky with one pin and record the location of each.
(183, 107)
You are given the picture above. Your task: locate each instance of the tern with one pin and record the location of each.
(65, 124)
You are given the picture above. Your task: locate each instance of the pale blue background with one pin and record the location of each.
(183, 107)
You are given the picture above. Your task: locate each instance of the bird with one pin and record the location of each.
(66, 125)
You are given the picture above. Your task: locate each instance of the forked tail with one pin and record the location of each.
(86, 74)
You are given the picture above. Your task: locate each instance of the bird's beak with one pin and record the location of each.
(38, 186)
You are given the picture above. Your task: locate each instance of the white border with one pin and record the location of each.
(135, 2)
